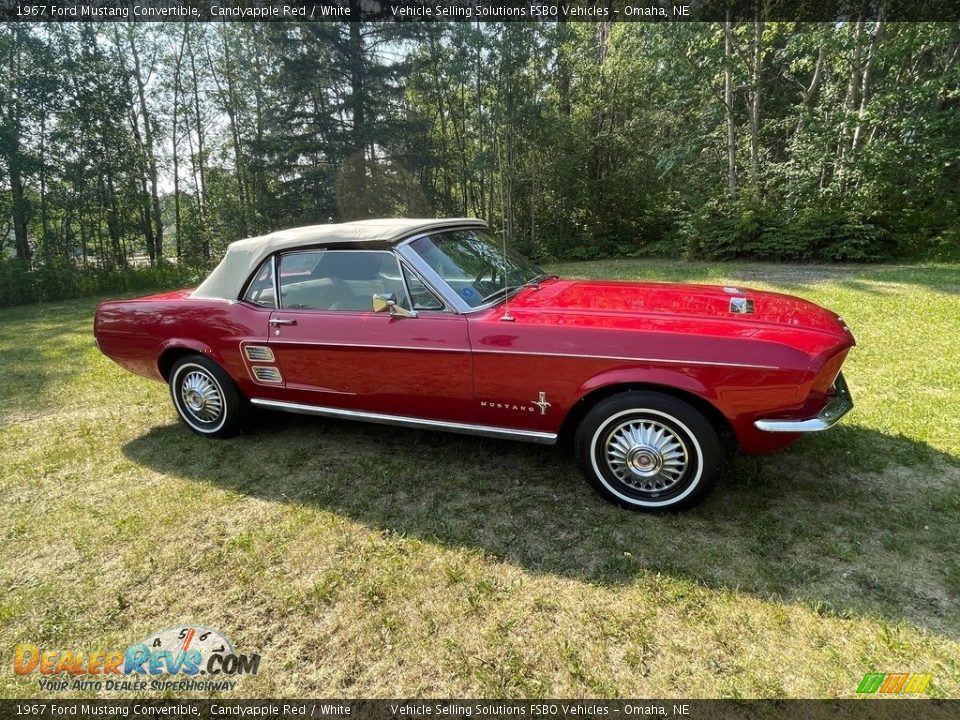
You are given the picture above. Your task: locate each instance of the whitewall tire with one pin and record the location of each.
(205, 397)
(649, 451)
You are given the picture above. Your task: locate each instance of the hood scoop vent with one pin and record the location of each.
(741, 306)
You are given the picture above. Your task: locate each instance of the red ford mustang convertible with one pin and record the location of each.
(429, 324)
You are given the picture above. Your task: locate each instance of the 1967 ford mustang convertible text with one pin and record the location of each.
(429, 324)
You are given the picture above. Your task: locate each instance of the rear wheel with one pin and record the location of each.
(205, 397)
(649, 451)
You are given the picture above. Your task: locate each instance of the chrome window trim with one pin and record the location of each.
(475, 224)
(433, 291)
(320, 248)
(275, 266)
(423, 267)
(536, 436)
(428, 274)
(253, 275)
(430, 279)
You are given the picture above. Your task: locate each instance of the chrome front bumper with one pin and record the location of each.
(840, 404)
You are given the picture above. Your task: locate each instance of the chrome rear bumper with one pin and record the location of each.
(840, 404)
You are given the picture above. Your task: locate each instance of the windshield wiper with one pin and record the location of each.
(501, 291)
(535, 283)
(539, 279)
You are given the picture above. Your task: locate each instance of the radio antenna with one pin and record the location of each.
(506, 317)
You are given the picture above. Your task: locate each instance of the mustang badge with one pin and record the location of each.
(542, 403)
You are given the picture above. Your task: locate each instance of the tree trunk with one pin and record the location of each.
(357, 107)
(811, 91)
(728, 107)
(850, 97)
(755, 102)
(232, 106)
(198, 157)
(442, 111)
(260, 194)
(19, 205)
(108, 200)
(533, 202)
(18, 200)
(485, 198)
(865, 88)
(951, 57)
(601, 141)
(144, 194)
(563, 62)
(154, 248)
(177, 93)
(45, 235)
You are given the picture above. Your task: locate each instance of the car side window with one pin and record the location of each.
(260, 290)
(339, 279)
(420, 295)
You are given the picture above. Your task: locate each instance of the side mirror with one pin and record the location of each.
(388, 301)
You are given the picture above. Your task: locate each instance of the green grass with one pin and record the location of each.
(365, 561)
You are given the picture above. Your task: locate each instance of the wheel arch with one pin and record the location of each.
(598, 392)
(173, 350)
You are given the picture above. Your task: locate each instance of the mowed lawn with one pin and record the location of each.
(360, 560)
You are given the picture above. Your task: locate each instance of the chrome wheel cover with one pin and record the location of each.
(200, 397)
(646, 455)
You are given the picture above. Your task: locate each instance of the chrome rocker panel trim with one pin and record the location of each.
(533, 436)
(839, 405)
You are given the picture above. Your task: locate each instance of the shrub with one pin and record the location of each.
(22, 282)
(750, 228)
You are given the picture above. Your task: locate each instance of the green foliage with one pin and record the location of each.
(748, 228)
(20, 284)
(770, 140)
(946, 246)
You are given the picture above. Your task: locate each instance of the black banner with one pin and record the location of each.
(879, 708)
(476, 10)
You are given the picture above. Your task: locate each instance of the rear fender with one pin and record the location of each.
(172, 348)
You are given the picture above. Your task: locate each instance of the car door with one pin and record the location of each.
(334, 351)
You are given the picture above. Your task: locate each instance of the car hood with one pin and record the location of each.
(675, 302)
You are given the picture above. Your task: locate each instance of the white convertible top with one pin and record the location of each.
(244, 256)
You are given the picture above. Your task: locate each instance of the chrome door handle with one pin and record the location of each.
(281, 321)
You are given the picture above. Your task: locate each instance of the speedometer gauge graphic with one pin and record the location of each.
(190, 637)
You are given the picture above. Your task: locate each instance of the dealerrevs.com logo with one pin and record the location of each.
(178, 659)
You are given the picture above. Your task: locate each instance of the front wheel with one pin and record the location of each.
(649, 451)
(205, 397)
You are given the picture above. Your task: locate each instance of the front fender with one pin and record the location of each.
(664, 377)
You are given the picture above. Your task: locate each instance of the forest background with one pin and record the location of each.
(132, 154)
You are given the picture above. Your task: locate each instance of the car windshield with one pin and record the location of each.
(472, 262)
